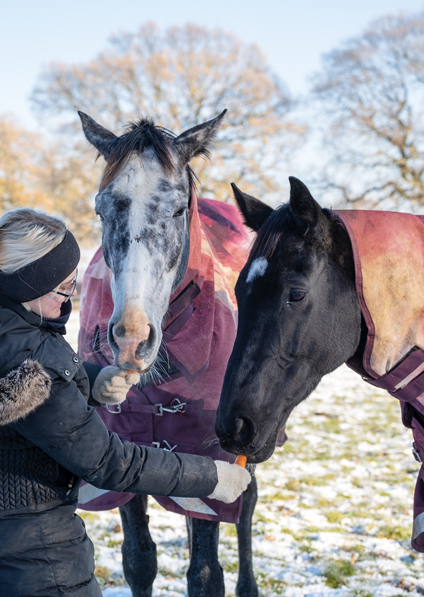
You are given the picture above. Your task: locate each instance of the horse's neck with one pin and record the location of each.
(341, 252)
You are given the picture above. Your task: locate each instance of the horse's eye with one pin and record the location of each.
(180, 212)
(100, 216)
(296, 295)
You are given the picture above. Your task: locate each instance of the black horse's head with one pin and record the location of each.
(299, 318)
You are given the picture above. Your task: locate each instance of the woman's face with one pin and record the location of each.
(49, 305)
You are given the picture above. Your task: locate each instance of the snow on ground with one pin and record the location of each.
(334, 514)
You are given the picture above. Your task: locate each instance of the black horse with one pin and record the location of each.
(299, 318)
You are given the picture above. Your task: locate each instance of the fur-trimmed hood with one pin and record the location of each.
(22, 390)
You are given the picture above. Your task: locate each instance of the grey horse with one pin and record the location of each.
(143, 204)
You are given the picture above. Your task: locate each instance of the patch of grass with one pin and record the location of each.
(334, 516)
(265, 582)
(258, 517)
(230, 530)
(285, 531)
(103, 575)
(325, 502)
(292, 485)
(230, 566)
(359, 549)
(337, 572)
(319, 481)
(390, 531)
(331, 425)
(280, 496)
(306, 548)
(113, 543)
(88, 516)
(359, 592)
(168, 573)
(312, 530)
(322, 455)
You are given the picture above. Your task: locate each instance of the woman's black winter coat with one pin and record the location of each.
(50, 439)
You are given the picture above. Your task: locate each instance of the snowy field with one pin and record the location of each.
(334, 514)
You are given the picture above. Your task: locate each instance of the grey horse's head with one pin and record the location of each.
(143, 203)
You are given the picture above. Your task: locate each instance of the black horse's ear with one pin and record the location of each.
(198, 140)
(254, 211)
(306, 210)
(97, 135)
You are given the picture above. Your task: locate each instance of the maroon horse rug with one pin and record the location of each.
(391, 295)
(176, 411)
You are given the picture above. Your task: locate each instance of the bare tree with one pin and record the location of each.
(179, 78)
(370, 96)
(36, 173)
(20, 166)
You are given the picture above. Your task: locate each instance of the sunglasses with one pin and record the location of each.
(68, 295)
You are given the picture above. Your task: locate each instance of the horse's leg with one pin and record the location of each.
(246, 584)
(205, 577)
(138, 549)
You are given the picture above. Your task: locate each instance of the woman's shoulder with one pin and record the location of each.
(58, 357)
(18, 340)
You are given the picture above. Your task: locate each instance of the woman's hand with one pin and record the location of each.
(232, 481)
(112, 384)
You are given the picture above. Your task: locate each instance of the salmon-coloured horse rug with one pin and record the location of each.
(388, 251)
(176, 408)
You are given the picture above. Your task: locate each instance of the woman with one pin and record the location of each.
(50, 437)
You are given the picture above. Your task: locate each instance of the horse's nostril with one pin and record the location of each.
(111, 337)
(139, 349)
(119, 331)
(146, 344)
(239, 427)
(244, 431)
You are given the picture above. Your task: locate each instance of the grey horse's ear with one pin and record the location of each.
(255, 212)
(97, 135)
(306, 210)
(198, 140)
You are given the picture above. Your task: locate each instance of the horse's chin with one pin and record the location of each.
(264, 453)
(267, 449)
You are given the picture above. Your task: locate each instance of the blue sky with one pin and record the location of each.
(293, 35)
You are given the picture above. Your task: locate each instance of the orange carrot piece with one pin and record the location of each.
(241, 460)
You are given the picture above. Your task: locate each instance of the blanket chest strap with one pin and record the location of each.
(406, 380)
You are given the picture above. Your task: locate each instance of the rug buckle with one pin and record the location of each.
(175, 408)
(114, 412)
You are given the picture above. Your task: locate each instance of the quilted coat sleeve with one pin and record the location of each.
(73, 434)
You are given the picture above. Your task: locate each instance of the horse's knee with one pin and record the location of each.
(139, 564)
(205, 578)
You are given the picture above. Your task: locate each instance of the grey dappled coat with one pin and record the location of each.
(50, 438)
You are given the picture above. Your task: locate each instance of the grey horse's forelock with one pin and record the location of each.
(139, 136)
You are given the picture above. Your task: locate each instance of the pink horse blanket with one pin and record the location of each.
(177, 412)
(388, 250)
